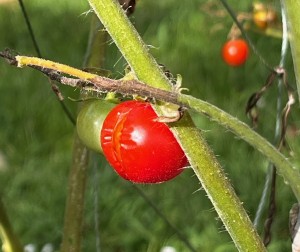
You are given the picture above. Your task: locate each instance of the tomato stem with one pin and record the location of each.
(201, 157)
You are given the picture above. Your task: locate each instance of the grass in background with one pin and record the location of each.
(36, 137)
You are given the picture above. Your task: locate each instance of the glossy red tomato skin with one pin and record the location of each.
(235, 52)
(139, 148)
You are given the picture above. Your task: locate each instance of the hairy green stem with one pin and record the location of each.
(292, 10)
(200, 156)
(130, 43)
(290, 174)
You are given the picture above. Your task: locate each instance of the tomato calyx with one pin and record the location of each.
(171, 113)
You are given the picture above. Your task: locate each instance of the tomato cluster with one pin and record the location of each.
(139, 147)
(235, 52)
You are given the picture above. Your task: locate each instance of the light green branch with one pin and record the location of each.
(290, 174)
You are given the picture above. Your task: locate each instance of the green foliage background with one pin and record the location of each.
(36, 137)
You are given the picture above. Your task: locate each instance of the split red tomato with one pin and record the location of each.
(235, 52)
(138, 147)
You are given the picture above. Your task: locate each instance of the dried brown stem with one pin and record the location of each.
(102, 84)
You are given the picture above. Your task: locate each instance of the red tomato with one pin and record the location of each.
(138, 147)
(235, 52)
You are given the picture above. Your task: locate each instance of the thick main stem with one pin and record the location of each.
(200, 155)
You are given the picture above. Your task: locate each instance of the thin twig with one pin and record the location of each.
(92, 82)
(271, 209)
(29, 27)
(38, 51)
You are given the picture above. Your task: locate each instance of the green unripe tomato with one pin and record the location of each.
(90, 120)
